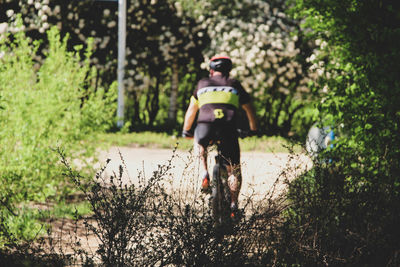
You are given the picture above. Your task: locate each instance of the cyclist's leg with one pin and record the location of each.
(202, 137)
(235, 183)
(231, 153)
(203, 156)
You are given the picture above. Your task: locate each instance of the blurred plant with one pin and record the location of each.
(141, 222)
(44, 105)
(347, 211)
(270, 55)
(169, 40)
(162, 45)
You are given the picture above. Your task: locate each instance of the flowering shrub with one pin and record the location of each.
(271, 56)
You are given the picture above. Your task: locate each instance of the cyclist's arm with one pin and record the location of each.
(248, 108)
(190, 115)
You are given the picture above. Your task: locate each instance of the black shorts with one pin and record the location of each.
(226, 133)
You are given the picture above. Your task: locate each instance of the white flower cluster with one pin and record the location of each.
(174, 39)
(256, 35)
(3, 28)
(317, 65)
(35, 14)
(261, 44)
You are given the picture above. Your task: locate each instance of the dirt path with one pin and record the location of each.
(259, 170)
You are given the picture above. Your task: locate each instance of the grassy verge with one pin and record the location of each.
(163, 140)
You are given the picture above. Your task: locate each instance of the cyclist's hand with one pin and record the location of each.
(187, 134)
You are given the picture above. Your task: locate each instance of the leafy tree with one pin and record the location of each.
(160, 38)
(348, 209)
(44, 106)
(166, 40)
(269, 58)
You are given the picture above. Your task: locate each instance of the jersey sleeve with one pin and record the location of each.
(194, 100)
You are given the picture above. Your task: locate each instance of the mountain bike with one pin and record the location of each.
(220, 198)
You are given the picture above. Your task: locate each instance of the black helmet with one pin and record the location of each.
(221, 63)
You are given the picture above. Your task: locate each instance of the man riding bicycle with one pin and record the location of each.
(218, 98)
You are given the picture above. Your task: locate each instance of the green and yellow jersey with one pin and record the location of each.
(219, 98)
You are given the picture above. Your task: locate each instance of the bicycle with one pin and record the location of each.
(220, 198)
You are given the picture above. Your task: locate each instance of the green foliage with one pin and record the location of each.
(269, 53)
(268, 50)
(147, 108)
(63, 209)
(45, 106)
(347, 210)
(25, 226)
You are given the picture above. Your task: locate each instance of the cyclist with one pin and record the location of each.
(218, 98)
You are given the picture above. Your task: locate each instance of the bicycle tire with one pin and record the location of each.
(220, 195)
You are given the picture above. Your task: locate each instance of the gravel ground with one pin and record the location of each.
(259, 170)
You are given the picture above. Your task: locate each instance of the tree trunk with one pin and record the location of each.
(154, 103)
(173, 100)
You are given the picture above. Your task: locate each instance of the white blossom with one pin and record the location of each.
(57, 9)
(111, 24)
(3, 27)
(46, 8)
(10, 13)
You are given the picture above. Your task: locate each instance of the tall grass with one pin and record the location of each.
(145, 223)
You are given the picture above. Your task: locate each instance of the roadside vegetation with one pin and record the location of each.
(44, 106)
(332, 62)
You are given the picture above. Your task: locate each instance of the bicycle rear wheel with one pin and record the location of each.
(220, 195)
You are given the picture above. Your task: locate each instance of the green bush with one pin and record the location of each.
(43, 107)
(347, 212)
